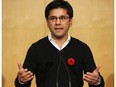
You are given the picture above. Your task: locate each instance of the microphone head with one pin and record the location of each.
(60, 52)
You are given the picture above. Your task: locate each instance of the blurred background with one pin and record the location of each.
(23, 23)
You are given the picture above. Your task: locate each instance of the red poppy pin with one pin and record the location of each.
(71, 61)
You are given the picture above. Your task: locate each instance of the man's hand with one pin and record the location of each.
(23, 74)
(92, 78)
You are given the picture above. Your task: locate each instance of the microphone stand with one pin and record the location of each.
(61, 59)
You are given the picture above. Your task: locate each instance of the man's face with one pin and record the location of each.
(59, 22)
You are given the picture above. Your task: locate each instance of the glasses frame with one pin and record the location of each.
(61, 18)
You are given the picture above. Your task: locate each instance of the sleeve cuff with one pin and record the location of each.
(20, 82)
(99, 81)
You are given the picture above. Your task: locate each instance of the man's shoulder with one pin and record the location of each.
(78, 42)
(41, 42)
(75, 40)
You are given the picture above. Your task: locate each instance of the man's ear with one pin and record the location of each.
(47, 22)
(71, 21)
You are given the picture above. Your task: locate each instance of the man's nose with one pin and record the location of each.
(58, 21)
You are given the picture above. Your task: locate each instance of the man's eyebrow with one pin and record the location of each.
(57, 16)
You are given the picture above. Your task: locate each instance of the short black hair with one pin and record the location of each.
(59, 4)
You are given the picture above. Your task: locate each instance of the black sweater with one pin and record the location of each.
(51, 66)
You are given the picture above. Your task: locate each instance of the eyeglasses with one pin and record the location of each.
(61, 18)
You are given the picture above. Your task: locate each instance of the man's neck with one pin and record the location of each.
(61, 40)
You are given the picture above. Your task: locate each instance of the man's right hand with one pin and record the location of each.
(23, 74)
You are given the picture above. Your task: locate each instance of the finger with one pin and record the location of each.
(26, 77)
(86, 78)
(98, 67)
(29, 75)
(26, 74)
(19, 65)
(91, 76)
(25, 80)
(89, 79)
(22, 71)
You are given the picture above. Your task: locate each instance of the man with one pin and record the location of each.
(59, 60)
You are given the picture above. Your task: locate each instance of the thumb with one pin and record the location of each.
(19, 65)
(97, 68)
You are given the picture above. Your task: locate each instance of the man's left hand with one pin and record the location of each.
(92, 78)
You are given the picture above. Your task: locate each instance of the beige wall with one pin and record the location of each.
(23, 23)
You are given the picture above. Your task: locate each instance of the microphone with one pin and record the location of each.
(61, 59)
(59, 52)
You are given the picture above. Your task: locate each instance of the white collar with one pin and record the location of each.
(55, 44)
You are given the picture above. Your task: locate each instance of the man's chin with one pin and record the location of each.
(59, 36)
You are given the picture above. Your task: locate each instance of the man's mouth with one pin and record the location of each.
(58, 28)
